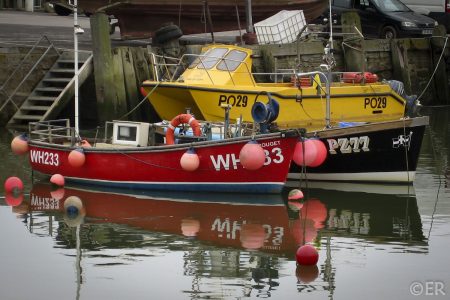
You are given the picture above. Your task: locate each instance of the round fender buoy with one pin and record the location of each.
(76, 157)
(13, 199)
(189, 161)
(252, 236)
(19, 145)
(307, 255)
(305, 153)
(295, 194)
(307, 274)
(58, 194)
(252, 156)
(74, 211)
(190, 227)
(321, 153)
(57, 179)
(13, 185)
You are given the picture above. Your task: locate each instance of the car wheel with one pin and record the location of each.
(388, 32)
(62, 11)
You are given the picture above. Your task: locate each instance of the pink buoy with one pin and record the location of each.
(190, 227)
(189, 161)
(307, 255)
(252, 236)
(307, 155)
(13, 185)
(295, 194)
(76, 157)
(321, 153)
(58, 194)
(13, 199)
(252, 156)
(19, 145)
(57, 179)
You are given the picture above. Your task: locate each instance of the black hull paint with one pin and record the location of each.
(381, 155)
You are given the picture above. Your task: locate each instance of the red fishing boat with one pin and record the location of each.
(252, 222)
(134, 157)
(140, 18)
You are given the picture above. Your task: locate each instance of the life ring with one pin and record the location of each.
(182, 119)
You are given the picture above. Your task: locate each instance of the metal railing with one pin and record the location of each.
(19, 67)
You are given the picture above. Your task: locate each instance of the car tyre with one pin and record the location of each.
(388, 32)
(167, 33)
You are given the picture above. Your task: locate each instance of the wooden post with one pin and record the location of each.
(440, 79)
(108, 86)
(353, 42)
(400, 62)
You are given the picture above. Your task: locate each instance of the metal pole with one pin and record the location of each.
(75, 42)
(248, 15)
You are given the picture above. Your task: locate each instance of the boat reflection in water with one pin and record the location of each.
(232, 236)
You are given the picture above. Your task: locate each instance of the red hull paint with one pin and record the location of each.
(241, 221)
(159, 167)
(138, 19)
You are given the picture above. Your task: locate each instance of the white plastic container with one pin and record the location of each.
(281, 28)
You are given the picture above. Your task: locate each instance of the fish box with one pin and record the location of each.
(281, 28)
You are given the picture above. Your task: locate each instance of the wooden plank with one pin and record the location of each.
(131, 87)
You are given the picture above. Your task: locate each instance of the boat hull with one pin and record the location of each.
(381, 152)
(140, 18)
(298, 108)
(159, 167)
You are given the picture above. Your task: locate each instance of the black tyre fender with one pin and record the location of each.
(388, 32)
(167, 33)
(61, 10)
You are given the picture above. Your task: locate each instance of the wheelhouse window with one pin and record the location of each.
(232, 60)
(209, 59)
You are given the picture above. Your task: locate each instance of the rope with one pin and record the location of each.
(140, 103)
(435, 69)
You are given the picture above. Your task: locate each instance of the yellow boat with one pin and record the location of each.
(221, 76)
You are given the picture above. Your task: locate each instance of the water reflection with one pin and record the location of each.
(242, 240)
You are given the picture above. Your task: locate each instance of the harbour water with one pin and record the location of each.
(374, 241)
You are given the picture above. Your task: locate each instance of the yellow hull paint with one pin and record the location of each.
(304, 108)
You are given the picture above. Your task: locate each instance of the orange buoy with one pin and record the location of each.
(252, 156)
(305, 152)
(182, 119)
(76, 157)
(57, 179)
(321, 153)
(13, 185)
(189, 161)
(19, 145)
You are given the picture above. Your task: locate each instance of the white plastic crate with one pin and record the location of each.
(281, 28)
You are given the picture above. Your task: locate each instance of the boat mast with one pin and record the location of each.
(330, 60)
(76, 31)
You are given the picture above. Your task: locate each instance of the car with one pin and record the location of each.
(438, 10)
(384, 18)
